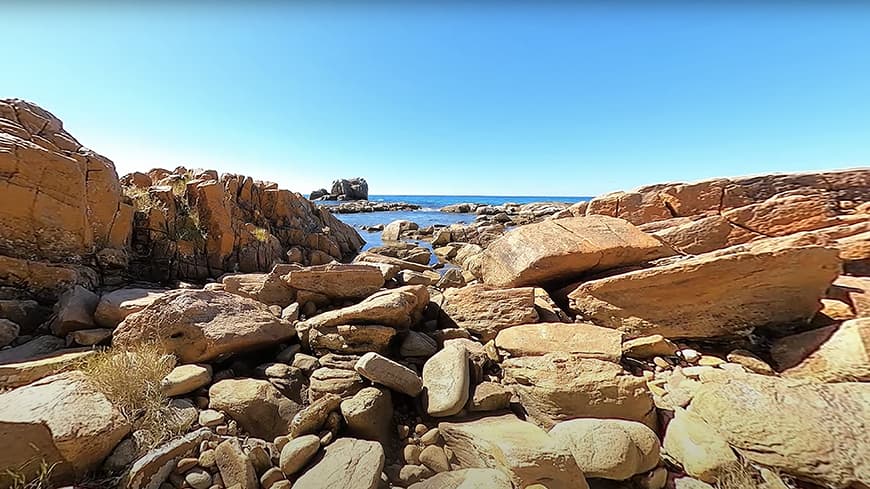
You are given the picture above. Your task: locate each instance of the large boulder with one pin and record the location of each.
(115, 306)
(268, 288)
(337, 280)
(350, 189)
(200, 325)
(838, 353)
(560, 386)
(255, 404)
(564, 249)
(582, 339)
(346, 464)
(714, 294)
(60, 420)
(520, 450)
(484, 310)
(812, 431)
(609, 448)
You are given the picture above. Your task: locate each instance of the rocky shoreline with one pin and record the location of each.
(185, 329)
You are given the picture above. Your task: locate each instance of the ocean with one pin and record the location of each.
(429, 213)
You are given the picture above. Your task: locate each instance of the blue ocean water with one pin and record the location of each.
(429, 214)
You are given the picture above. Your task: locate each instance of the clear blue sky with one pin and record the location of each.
(518, 100)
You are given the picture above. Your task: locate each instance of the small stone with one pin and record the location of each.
(270, 477)
(434, 457)
(647, 347)
(311, 419)
(8, 332)
(690, 355)
(306, 363)
(403, 430)
(291, 312)
(418, 344)
(207, 458)
(198, 479)
(260, 459)
(185, 464)
(420, 429)
(297, 453)
(431, 437)
(283, 484)
(210, 418)
(185, 379)
(411, 454)
(661, 362)
(490, 396)
(654, 479)
(411, 474)
(280, 442)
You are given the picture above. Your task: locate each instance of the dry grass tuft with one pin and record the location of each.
(142, 200)
(130, 379)
(15, 479)
(260, 234)
(737, 476)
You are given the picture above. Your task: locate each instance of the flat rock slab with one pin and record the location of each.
(337, 280)
(564, 249)
(582, 339)
(446, 380)
(484, 310)
(115, 306)
(714, 294)
(346, 464)
(382, 370)
(519, 449)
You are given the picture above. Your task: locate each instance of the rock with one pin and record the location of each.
(466, 479)
(750, 361)
(609, 448)
(854, 291)
(446, 380)
(32, 350)
(27, 372)
(393, 231)
(115, 306)
(559, 386)
(410, 277)
(434, 457)
(416, 344)
(89, 337)
(290, 313)
(646, 347)
(382, 370)
(713, 294)
(59, 200)
(485, 311)
(8, 332)
(153, 468)
(369, 414)
(397, 308)
(271, 477)
(297, 453)
(698, 446)
(564, 249)
(346, 464)
(350, 338)
(255, 404)
(489, 396)
(268, 288)
(185, 379)
(690, 483)
(210, 418)
(811, 431)
(59, 419)
(452, 278)
(367, 258)
(349, 189)
(342, 382)
(312, 418)
(838, 353)
(235, 467)
(27, 314)
(518, 449)
(74, 311)
(412, 474)
(198, 479)
(337, 280)
(581, 339)
(199, 325)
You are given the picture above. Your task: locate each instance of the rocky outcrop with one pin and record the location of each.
(344, 189)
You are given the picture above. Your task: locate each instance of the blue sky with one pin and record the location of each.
(551, 99)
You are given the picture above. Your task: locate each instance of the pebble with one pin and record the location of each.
(411, 454)
(434, 457)
(431, 437)
(198, 479)
(206, 459)
(420, 429)
(210, 418)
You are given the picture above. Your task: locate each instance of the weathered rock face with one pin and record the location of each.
(117, 305)
(812, 431)
(60, 203)
(698, 447)
(519, 449)
(62, 420)
(197, 226)
(200, 325)
(585, 340)
(342, 281)
(714, 294)
(484, 310)
(560, 386)
(347, 464)
(559, 250)
(268, 288)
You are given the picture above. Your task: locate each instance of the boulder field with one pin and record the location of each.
(182, 329)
